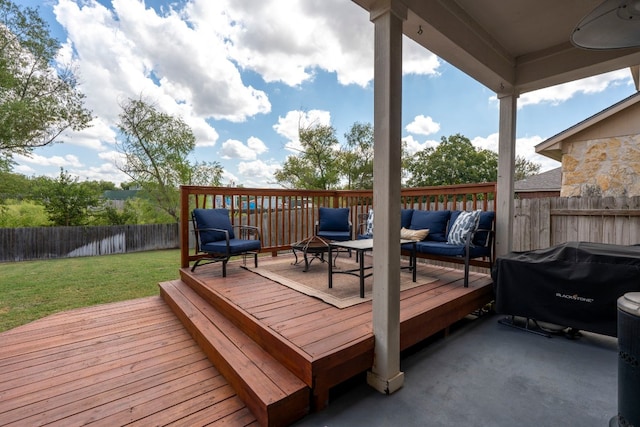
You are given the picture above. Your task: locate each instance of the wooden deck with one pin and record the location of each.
(127, 363)
(134, 362)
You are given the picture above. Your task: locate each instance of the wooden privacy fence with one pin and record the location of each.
(22, 244)
(540, 223)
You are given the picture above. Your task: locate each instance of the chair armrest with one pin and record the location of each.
(361, 228)
(247, 231)
(489, 237)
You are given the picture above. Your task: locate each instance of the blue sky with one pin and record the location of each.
(244, 73)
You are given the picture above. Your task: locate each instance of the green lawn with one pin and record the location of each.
(30, 290)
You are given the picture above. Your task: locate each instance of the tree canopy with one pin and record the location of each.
(67, 201)
(156, 146)
(316, 167)
(454, 161)
(323, 164)
(357, 157)
(37, 102)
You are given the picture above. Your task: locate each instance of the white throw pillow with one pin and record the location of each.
(369, 229)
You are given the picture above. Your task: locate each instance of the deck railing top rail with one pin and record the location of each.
(287, 216)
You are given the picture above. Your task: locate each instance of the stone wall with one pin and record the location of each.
(601, 167)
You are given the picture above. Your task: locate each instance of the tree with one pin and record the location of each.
(454, 161)
(525, 168)
(155, 146)
(357, 157)
(206, 173)
(37, 102)
(67, 202)
(317, 166)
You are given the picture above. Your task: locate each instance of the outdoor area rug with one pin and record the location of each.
(315, 282)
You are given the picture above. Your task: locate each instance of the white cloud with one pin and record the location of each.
(286, 41)
(560, 93)
(288, 125)
(94, 137)
(234, 149)
(66, 161)
(230, 178)
(422, 125)
(525, 147)
(417, 60)
(413, 145)
(104, 172)
(172, 58)
(257, 173)
(257, 145)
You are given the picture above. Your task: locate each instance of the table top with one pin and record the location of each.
(361, 244)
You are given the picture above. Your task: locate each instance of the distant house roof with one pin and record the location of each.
(552, 147)
(550, 180)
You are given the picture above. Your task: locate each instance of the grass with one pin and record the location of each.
(30, 290)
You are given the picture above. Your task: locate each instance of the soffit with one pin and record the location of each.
(510, 46)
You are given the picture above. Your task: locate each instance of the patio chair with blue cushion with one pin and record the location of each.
(217, 240)
(334, 224)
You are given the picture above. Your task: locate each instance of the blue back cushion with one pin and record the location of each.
(213, 218)
(486, 223)
(334, 219)
(405, 218)
(435, 221)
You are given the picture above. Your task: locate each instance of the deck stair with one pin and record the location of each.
(274, 394)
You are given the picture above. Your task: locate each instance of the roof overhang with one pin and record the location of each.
(552, 147)
(512, 46)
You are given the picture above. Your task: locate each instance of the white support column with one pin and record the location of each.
(385, 376)
(506, 166)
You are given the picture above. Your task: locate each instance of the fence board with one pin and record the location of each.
(539, 223)
(22, 244)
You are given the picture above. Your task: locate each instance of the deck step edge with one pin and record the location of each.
(275, 395)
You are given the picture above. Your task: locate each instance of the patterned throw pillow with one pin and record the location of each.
(467, 222)
(369, 229)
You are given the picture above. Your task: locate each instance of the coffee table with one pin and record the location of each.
(314, 246)
(361, 246)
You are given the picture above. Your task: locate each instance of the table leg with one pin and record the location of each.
(306, 262)
(361, 255)
(330, 269)
(413, 260)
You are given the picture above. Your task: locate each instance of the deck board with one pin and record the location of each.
(115, 372)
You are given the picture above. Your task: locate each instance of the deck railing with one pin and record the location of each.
(287, 216)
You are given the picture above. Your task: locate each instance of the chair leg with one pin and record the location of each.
(255, 260)
(224, 268)
(466, 274)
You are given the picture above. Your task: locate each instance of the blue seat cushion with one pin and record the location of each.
(444, 249)
(213, 218)
(339, 236)
(333, 219)
(435, 221)
(236, 246)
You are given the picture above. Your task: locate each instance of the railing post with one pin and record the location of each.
(184, 227)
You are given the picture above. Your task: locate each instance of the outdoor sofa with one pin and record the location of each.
(471, 238)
